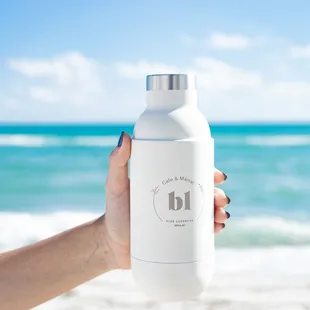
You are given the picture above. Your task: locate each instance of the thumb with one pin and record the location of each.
(117, 180)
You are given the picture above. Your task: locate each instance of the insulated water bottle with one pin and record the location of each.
(172, 192)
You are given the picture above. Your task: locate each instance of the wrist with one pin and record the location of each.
(104, 247)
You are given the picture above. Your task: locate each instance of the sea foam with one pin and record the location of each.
(18, 229)
(55, 141)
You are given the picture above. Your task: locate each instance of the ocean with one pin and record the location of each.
(52, 177)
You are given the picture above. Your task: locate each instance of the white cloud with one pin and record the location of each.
(297, 89)
(69, 78)
(214, 75)
(227, 41)
(229, 93)
(45, 94)
(277, 101)
(301, 51)
(143, 68)
(224, 41)
(226, 92)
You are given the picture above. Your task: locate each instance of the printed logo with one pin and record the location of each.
(178, 201)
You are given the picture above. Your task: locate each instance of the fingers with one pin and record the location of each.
(219, 176)
(221, 216)
(218, 227)
(118, 165)
(221, 200)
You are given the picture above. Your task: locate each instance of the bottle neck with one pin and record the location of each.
(170, 99)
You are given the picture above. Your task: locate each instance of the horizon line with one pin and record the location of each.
(115, 123)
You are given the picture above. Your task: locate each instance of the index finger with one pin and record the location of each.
(219, 176)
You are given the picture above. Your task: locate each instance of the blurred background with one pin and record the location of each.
(72, 77)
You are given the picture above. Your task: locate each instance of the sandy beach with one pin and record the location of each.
(258, 280)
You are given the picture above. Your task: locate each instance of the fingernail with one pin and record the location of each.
(223, 226)
(225, 176)
(227, 214)
(228, 200)
(120, 140)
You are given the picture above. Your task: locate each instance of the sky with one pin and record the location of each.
(86, 61)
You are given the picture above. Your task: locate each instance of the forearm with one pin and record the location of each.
(34, 274)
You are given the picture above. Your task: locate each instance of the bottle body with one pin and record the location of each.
(172, 193)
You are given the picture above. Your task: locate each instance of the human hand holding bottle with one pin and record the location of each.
(117, 217)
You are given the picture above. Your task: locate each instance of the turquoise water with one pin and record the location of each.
(52, 169)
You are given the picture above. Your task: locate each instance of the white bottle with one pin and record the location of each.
(172, 192)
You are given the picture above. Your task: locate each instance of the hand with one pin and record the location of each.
(117, 216)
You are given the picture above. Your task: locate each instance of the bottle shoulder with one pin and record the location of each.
(182, 123)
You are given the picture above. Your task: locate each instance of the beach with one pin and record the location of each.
(248, 281)
(52, 178)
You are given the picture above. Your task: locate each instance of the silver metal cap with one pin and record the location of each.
(170, 82)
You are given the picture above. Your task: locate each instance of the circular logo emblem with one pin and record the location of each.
(178, 201)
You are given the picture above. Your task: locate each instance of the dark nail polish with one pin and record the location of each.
(227, 214)
(120, 140)
(225, 176)
(223, 226)
(228, 200)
